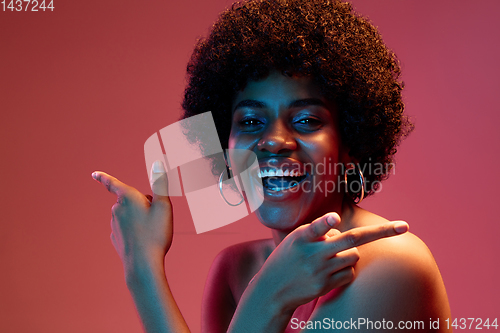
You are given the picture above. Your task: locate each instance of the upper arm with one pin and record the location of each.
(218, 304)
(398, 282)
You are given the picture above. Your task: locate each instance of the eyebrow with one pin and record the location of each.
(297, 103)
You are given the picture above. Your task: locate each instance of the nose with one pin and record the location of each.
(277, 138)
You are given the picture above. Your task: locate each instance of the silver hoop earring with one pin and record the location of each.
(357, 197)
(222, 194)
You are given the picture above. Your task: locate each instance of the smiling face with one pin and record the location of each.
(293, 130)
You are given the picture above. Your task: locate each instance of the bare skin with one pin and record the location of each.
(317, 265)
(315, 253)
(396, 279)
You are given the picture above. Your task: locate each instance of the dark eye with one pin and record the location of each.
(309, 123)
(250, 123)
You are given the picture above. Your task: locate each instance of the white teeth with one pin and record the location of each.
(279, 173)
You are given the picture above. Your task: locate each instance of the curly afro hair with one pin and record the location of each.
(324, 39)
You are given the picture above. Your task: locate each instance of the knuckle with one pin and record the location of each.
(107, 184)
(343, 277)
(298, 234)
(352, 252)
(387, 230)
(351, 274)
(384, 229)
(340, 258)
(313, 230)
(117, 211)
(354, 237)
(123, 200)
(347, 275)
(114, 209)
(317, 288)
(355, 255)
(351, 258)
(332, 233)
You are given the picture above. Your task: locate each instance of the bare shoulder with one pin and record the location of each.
(227, 279)
(242, 261)
(406, 251)
(397, 279)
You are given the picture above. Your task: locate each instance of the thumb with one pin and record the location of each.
(321, 226)
(159, 182)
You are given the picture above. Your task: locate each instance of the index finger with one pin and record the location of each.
(362, 235)
(112, 184)
(321, 226)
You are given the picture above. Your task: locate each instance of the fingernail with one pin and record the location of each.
(333, 219)
(94, 175)
(401, 227)
(158, 167)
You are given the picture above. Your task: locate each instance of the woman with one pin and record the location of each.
(298, 83)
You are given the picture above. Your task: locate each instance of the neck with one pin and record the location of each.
(346, 213)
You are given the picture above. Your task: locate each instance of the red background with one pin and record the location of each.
(83, 87)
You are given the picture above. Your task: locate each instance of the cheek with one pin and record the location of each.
(323, 145)
(324, 152)
(240, 141)
(234, 139)
(241, 151)
(231, 141)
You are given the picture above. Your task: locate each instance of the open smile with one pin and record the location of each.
(280, 180)
(280, 175)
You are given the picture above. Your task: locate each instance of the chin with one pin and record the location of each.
(285, 220)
